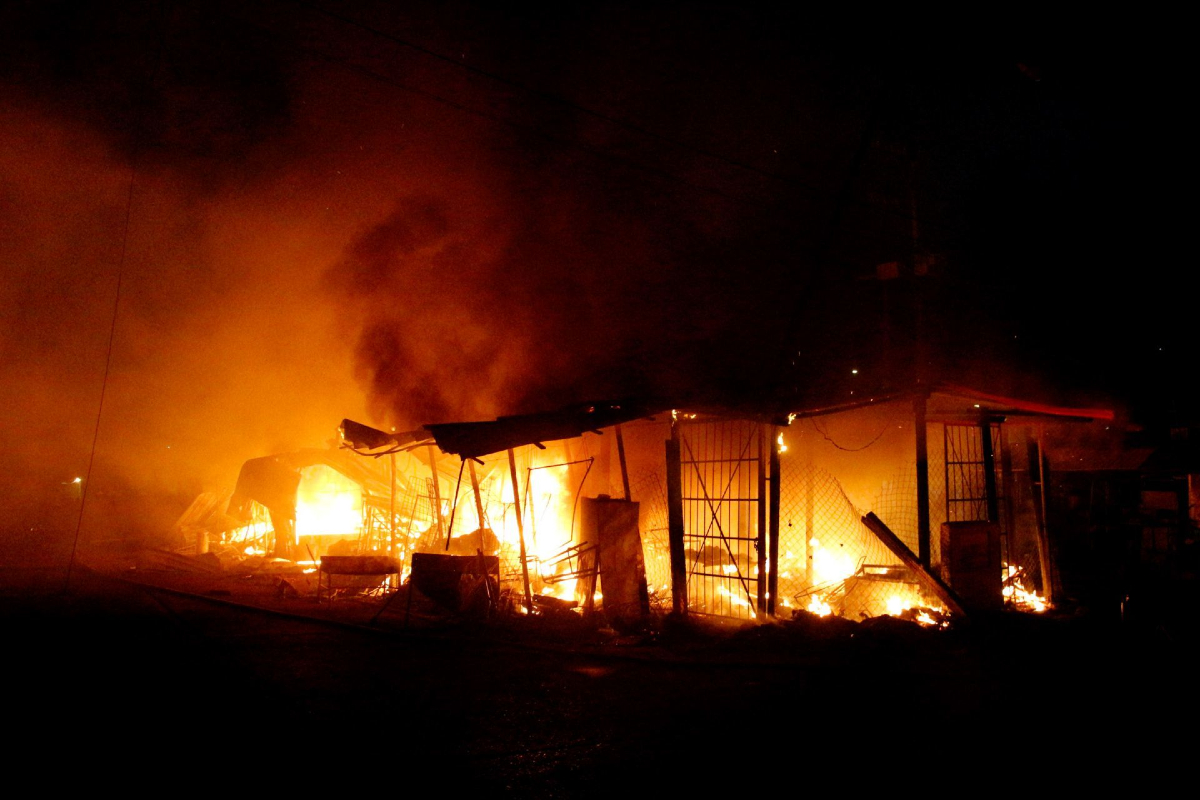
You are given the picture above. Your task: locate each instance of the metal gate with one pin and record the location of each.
(723, 481)
(973, 480)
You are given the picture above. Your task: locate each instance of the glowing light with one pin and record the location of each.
(819, 607)
(830, 566)
(779, 443)
(77, 480)
(897, 605)
(737, 600)
(327, 503)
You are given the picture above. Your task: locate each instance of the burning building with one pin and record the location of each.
(917, 504)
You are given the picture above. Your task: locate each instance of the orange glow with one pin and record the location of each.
(327, 504)
(738, 600)
(830, 566)
(819, 607)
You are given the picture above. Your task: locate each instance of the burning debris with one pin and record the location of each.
(1016, 593)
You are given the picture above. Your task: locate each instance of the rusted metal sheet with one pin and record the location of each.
(971, 562)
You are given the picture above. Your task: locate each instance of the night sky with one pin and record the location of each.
(444, 211)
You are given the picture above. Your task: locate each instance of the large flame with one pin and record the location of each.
(830, 566)
(327, 504)
(819, 607)
(547, 519)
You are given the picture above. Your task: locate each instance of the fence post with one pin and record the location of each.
(675, 523)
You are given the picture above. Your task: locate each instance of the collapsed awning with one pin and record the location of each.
(478, 439)
(475, 439)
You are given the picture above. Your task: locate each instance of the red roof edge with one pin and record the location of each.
(1028, 405)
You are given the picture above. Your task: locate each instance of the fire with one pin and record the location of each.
(548, 512)
(563, 589)
(737, 600)
(1015, 592)
(327, 503)
(819, 607)
(829, 566)
(779, 443)
(896, 605)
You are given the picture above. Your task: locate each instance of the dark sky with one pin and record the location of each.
(448, 211)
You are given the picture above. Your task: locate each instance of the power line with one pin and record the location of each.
(112, 335)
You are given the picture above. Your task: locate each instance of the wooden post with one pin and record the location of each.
(624, 468)
(773, 532)
(437, 491)
(761, 544)
(516, 488)
(675, 524)
(478, 500)
(924, 550)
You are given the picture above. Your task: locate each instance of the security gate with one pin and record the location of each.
(723, 475)
(973, 485)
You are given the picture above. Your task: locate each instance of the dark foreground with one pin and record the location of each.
(124, 685)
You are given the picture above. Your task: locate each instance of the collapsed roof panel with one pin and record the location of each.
(476, 439)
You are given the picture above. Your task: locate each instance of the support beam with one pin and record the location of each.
(395, 578)
(773, 531)
(437, 490)
(516, 487)
(810, 489)
(478, 501)
(991, 496)
(675, 524)
(1008, 487)
(924, 550)
(761, 523)
(624, 468)
(1044, 562)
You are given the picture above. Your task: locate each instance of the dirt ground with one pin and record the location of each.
(177, 680)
